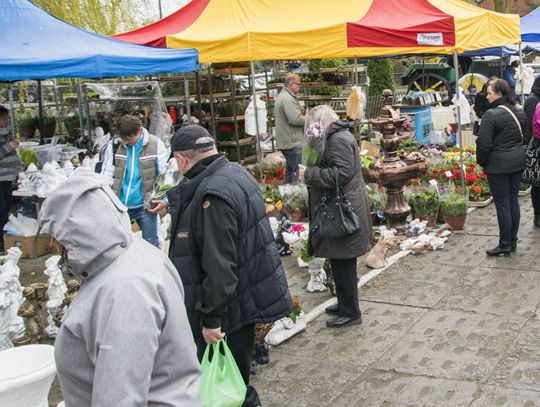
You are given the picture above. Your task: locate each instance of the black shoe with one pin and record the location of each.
(332, 309)
(337, 321)
(497, 251)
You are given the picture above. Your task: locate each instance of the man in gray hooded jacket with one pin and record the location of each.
(125, 340)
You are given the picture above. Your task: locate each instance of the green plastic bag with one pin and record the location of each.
(222, 384)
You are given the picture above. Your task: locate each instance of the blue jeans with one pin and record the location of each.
(293, 157)
(148, 223)
(505, 191)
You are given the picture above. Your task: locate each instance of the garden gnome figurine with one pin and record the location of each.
(11, 325)
(317, 275)
(57, 289)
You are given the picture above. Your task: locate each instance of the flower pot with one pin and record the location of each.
(431, 219)
(27, 132)
(455, 222)
(49, 130)
(440, 216)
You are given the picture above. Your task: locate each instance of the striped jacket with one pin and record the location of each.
(10, 165)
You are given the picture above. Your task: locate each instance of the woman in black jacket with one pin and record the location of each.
(499, 150)
(340, 151)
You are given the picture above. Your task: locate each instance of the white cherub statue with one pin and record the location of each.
(11, 325)
(57, 289)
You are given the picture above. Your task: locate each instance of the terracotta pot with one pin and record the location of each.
(455, 222)
(27, 132)
(431, 219)
(49, 130)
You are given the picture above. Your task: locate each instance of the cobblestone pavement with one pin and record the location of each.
(447, 328)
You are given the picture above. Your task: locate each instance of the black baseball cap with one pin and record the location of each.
(187, 138)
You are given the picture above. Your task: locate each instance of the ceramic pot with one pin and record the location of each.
(431, 219)
(455, 222)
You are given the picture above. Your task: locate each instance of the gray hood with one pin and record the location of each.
(86, 217)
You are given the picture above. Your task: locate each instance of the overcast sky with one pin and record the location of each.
(170, 6)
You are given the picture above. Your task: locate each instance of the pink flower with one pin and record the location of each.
(297, 228)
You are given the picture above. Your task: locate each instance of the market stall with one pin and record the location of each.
(36, 45)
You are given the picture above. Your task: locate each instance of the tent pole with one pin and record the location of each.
(11, 113)
(40, 111)
(187, 102)
(355, 83)
(79, 105)
(254, 91)
(521, 79)
(460, 136)
(211, 96)
(198, 90)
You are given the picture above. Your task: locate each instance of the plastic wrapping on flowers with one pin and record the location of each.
(294, 196)
(162, 184)
(426, 200)
(313, 149)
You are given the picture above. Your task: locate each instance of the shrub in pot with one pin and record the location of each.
(26, 125)
(426, 206)
(454, 210)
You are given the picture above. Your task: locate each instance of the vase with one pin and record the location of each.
(455, 222)
(431, 219)
(27, 132)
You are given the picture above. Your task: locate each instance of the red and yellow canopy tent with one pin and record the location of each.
(251, 30)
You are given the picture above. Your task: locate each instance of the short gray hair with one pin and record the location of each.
(290, 78)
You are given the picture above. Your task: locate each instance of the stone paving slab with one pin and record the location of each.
(503, 397)
(358, 345)
(453, 345)
(380, 388)
(295, 381)
(496, 291)
(413, 282)
(520, 367)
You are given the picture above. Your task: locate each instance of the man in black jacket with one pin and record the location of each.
(224, 250)
(530, 106)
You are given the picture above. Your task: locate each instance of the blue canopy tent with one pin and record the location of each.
(36, 45)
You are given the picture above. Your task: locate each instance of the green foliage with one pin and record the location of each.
(105, 17)
(315, 65)
(26, 120)
(426, 203)
(454, 204)
(306, 258)
(381, 76)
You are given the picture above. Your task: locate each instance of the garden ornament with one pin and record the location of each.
(57, 289)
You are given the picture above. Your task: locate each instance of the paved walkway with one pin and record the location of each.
(448, 328)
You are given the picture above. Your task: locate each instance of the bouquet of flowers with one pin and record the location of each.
(314, 147)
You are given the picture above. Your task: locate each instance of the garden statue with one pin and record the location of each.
(72, 288)
(57, 289)
(35, 294)
(11, 325)
(317, 275)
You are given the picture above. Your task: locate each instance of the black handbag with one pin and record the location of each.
(333, 217)
(531, 174)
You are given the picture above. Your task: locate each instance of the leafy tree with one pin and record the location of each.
(105, 17)
(381, 75)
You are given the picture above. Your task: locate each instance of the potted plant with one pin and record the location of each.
(26, 125)
(72, 123)
(454, 209)
(48, 126)
(426, 206)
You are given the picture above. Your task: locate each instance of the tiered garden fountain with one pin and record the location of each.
(394, 170)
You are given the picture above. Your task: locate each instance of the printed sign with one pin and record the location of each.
(429, 39)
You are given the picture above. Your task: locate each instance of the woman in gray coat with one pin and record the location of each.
(340, 151)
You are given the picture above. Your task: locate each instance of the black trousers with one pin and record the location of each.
(346, 280)
(241, 345)
(5, 207)
(535, 197)
(505, 191)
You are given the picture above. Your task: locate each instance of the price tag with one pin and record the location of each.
(448, 174)
(433, 182)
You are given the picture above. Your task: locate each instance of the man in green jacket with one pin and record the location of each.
(290, 121)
